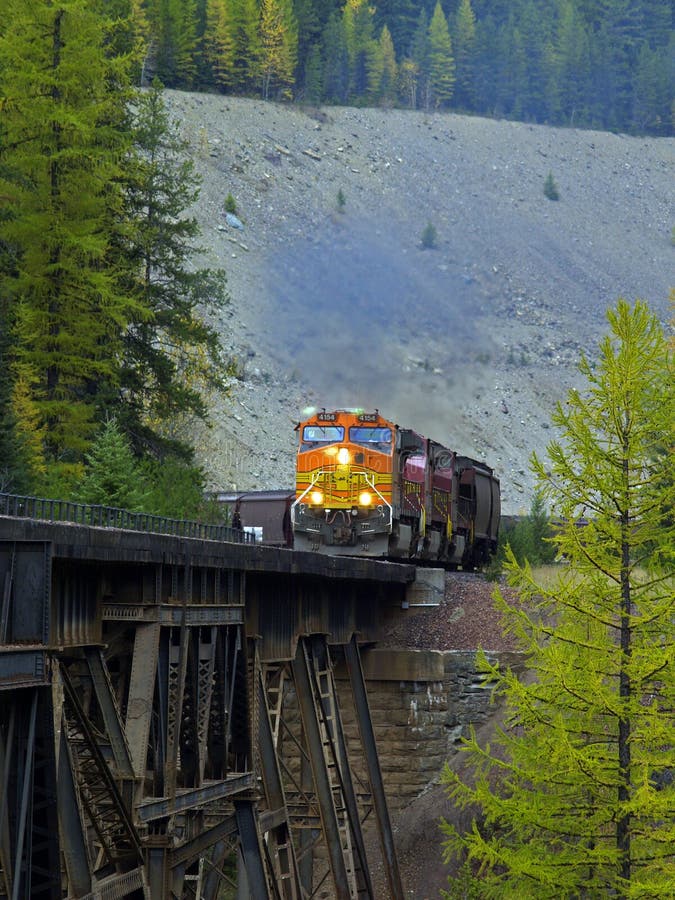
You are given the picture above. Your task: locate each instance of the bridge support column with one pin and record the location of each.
(365, 725)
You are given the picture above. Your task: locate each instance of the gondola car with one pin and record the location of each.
(367, 487)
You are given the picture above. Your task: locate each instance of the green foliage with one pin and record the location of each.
(341, 201)
(219, 44)
(171, 355)
(529, 540)
(600, 65)
(465, 52)
(362, 50)
(231, 205)
(63, 120)
(176, 489)
(464, 886)
(313, 84)
(441, 60)
(551, 188)
(15, 470)
(429, 238)
(278, 47)
(574, 796)
(112, 477)
(388, 68)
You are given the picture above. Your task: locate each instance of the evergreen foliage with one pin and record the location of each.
(230, 204)
(278, 47)
(601, 65)
(529, 540)
(551, 188)
(112, 476)
(63, 139)
(313, 85)
(465, 49)
(441, 60)
(170, 353)
(176, 489)
(429, 237)
(362, 50)
(341, 201)
(575, 796)
(388, 69)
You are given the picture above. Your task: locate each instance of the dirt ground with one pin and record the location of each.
(470, 343)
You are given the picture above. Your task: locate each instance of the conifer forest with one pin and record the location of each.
(604, 64)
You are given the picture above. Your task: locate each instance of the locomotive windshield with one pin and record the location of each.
(374, 438)
(314, 435)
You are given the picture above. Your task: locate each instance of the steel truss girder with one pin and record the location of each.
(365, 726)
(29, 843)
(319, 802)
(107, 812)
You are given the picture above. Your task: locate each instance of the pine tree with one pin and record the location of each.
(112, 476)
(171, 354)
(361, 49)
(245, 18)
(652, 90)
(389, 69)
(218, 42)
(173, 25)
(464, 45)
(400, 17)
(313, 84)
(419, 57)
(597, 818)
(15, 472)
(336, 60)
(308, 29)
(278, 46)
(63, 120)
(441, 61)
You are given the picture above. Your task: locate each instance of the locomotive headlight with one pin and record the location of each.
(343, 456)
(365, 498)
(316, 497)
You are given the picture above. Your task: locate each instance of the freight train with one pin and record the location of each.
(366, 487)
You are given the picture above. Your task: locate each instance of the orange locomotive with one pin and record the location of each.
(365, 487)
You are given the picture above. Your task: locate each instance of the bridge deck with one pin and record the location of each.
(151, 688)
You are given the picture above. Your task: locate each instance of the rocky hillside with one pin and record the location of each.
(470, 342)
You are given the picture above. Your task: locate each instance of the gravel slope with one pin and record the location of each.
(471, 342)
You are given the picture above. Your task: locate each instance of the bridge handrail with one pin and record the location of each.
(25, 507)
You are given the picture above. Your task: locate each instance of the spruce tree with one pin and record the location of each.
(419, 56)
(313, 83)
(336, 60)
(245, 18)
(173, 29)
(361, 49)
(389, 69)
(575, 796)
(112, 476)
(171, 353)
(15, 474)
(441, 61)
(278, 47)
(464, 51)
(63, 121)
(218, 43)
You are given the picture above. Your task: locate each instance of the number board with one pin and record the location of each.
(368, 417)
(327, 417)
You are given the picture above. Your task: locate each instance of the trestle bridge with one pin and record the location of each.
(169, 720)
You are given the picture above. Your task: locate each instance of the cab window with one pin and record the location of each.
(316, 435)
(374, 438)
